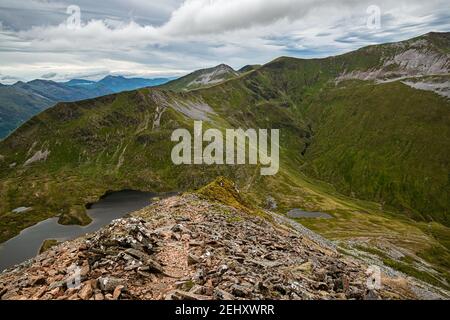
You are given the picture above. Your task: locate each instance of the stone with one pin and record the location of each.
(140, 255)
(222, 295)
(2, 292)
(99, 296)
(222, 269)
(153, 266)
(117, 292)
(240, 291)
(108, 284)
(57, 284)
(371, 295)
(55, 292)
(177, 228)
(192, 259)
(108, 296)
(86, 292)
(304, 268)
(39, 293)
(37, 280)
(183, 295)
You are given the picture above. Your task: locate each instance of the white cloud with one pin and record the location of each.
(201, 33)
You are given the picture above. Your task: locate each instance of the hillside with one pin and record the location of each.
(20, 101)
(202, 78)
(190, 247)
(373, 153)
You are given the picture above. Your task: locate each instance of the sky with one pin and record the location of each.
(61, 40)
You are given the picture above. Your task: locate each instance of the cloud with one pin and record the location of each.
(154, 38)
(49, 75)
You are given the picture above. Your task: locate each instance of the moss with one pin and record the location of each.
(47, 244)
(234, 219)
(224, 190)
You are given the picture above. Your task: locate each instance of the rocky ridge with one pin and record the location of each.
(190, 247)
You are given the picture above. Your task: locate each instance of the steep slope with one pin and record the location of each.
(17, 106)
(385, 142)
(21, 101)
(202, 78)
(189, 247)
(422, 56)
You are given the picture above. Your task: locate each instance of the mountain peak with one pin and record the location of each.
(203, 78)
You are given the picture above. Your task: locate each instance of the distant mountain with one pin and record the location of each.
(202, 78)
(119, 84)
(20, 101)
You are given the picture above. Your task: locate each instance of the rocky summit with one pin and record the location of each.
(195, 248)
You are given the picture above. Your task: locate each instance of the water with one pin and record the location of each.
(297, 213)
(26, 245)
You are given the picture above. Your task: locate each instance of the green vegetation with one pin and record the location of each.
(47, 244)
(413, 272)
(224, 190)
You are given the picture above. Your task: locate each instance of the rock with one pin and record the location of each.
(240, 291)
(182, 295)
(108, 296)
(192, 259)
(2, 292)
(142, 256)
(222, 295)
(55, 292)
(271, 203)
(99, 296)
(371, 295)
(304, 267)
(153, 266)
(57, 284)
(39, 293)
(177, 228)
(73, 297)
(108, 284)
(222, 269)
(84, 270)
(117, 292)
(86, 292)
(37, 280)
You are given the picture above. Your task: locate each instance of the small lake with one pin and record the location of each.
(114, 205)
(297, 213)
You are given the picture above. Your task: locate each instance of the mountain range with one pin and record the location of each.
(20, 101)
(365, 138)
